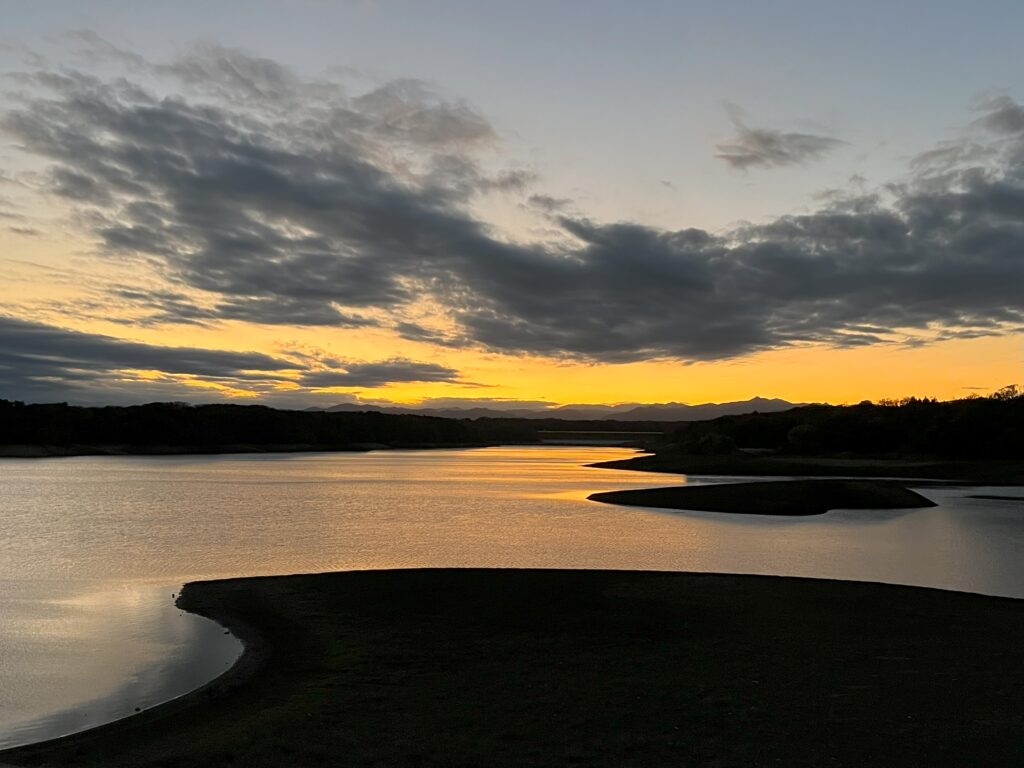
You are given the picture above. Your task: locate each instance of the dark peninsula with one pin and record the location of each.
(973, 440)
(588, 668)
(58, 429)
(794, 498)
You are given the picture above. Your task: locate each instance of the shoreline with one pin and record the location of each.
(371, 650)
(255, 655)
(71, 451)
(259, 650)
(790, 498)
(917, 471)
(920, 470)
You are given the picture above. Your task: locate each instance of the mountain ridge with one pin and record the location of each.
(671, 411)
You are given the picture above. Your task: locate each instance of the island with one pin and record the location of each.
(782, 497)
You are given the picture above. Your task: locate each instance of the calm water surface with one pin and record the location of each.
(93, 548)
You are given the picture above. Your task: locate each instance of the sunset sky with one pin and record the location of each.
(312, 202)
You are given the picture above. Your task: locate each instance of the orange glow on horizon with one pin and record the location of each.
(812, 373)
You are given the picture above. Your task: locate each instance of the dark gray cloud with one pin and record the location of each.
(1003, 115)
(74, 350)
(41, 362)
(416, 332)
(768, 148)
(326, 213)
(169, 307)
(379, 374)
(44, 362)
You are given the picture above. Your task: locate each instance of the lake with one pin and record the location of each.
(93, 548)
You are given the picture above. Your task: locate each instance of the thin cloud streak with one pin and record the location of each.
(44, 363)
(372, 375)
(768, 148)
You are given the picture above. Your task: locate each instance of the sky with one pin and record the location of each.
(312, 202)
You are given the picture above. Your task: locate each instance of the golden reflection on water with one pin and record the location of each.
(188, 517)
(179, 518)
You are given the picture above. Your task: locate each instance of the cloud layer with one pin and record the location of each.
(283, 200)
(41, 362)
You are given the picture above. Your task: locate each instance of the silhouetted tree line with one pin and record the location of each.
(211, 427)
(970, 428)
(975, 427)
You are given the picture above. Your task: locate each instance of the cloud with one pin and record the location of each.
(379, 374)
(1003, 115)
(25, 231)
(408, 110)
(172, 307)
(768, 148)
(281, 200)
(41, 362)
(74, 350)
(548, 204)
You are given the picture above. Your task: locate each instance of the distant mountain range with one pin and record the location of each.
(621, 412)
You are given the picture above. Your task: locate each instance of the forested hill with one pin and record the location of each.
(970, 428)
(171, 427)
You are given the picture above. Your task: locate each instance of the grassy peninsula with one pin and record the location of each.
(670, 459)
(794, 498)
(560, 668)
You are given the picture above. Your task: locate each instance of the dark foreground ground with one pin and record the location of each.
(781, 497)
(565, 668)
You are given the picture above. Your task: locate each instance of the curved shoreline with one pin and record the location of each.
(362, 666)
(254, 657)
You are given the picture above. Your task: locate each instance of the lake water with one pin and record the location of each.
(93, 548)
